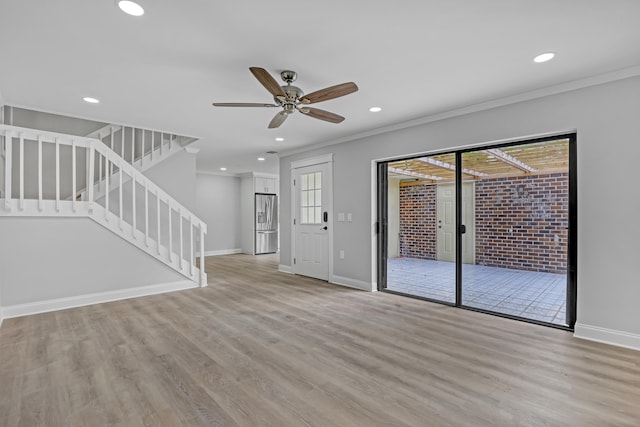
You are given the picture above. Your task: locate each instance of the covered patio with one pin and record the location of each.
(532, 295)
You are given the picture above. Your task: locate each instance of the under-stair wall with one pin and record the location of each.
(51, 263)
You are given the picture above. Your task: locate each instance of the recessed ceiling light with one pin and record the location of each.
(131, 8)
(544, 57)
(90, 100)
(375, 109)
(223, 169)
(279, 139)
(261, 159)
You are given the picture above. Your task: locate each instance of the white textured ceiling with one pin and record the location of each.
(413, 58)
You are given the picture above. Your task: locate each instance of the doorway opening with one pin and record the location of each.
(491, 229)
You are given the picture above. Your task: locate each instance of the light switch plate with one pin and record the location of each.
(349, 217)
(341, 216)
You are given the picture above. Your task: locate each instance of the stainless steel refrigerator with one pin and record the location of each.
(266, 223)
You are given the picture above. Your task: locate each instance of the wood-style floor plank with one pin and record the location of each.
(262, 348)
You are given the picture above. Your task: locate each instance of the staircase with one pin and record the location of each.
(141, 148)
(49, 174)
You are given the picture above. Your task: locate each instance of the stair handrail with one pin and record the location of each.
(9, 132)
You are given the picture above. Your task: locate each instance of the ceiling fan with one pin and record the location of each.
(291, 98)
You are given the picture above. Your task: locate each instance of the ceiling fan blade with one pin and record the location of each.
(329, 93)
(267, 81)
(277, 120)
(321, 114)
(241, 104)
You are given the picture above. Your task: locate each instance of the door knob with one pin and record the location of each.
(324, 228)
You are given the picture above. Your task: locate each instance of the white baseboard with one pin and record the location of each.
(222, 252)
(285, 269)
(607, 336)
(352, 283)
(96, 298)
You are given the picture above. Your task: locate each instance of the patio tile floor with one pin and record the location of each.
(533, 295)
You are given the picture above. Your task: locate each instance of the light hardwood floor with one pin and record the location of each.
(258, 347)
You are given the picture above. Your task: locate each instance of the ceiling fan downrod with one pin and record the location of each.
(293, 93)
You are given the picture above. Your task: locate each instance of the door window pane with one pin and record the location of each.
(311, 198)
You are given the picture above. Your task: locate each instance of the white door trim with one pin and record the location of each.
(311, 161)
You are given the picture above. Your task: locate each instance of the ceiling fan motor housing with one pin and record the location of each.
(293, 93)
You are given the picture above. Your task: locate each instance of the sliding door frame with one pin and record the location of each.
(382, 223)
(572, 243)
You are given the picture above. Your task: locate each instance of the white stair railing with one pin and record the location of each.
(140, 147)
(49, 168)
(143, 148)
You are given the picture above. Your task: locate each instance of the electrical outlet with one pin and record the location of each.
(341, 217)
(341, 254)
(349, 217)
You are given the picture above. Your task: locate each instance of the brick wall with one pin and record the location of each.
(418, 221)
(521, 222)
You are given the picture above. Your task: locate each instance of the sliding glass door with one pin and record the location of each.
(521, 223)
(421, 237)
(490, 229)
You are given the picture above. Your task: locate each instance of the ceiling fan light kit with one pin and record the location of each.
(291, 98)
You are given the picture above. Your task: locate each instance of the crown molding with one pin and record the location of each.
(227, 174)
(599, 79)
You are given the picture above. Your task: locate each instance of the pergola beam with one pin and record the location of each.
(445, 165)
(413, 174)
(510, 160)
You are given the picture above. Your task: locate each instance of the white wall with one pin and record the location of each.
(177, 176)
(606, 119)
(50, 122)
(50, 258)
(218, 204)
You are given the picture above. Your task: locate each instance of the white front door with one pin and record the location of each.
(312, 189)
